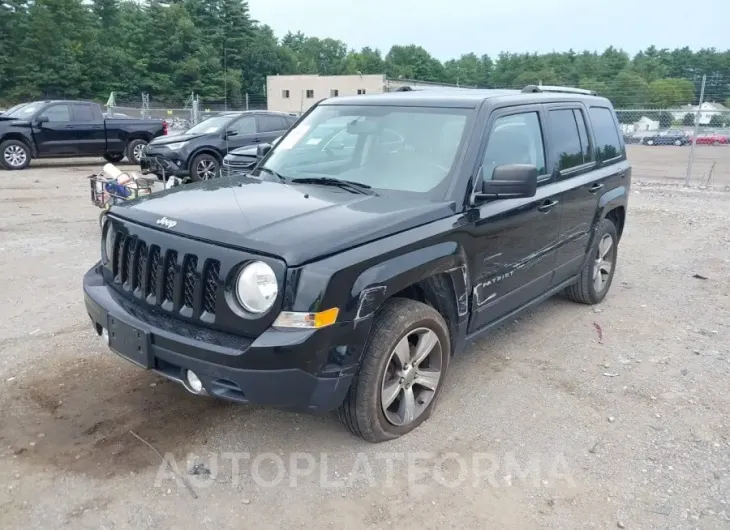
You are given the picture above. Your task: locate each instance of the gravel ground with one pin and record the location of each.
(570, 417)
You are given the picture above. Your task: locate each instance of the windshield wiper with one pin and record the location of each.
(351, 185)
(271, 172)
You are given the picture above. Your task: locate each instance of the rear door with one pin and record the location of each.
(270, 127)
(88, 129)
(588, 161)
(55, 136)
(241, 133)
(515, 239)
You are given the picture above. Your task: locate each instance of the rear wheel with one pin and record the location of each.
(204, 167)
(135, 148)
(114, 157)
(402, 372)
(597, 274)
(14, 155)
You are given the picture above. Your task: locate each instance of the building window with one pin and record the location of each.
(334, 93)
(360, 91)
(310, 94)
(285, 94)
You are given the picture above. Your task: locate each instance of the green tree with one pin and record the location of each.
(412, 62)
(716, 121)
(665, 119)
(670, 93)
(689, 119)
(628, 90)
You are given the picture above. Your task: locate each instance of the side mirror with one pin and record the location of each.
(510, 181)
(262, 149)
(41, 119)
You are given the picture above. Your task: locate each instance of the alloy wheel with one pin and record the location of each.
(412, 376)
(206, 169)
(603, 264)
(15, 156)
(138, 150)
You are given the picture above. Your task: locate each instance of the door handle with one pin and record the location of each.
(546, 206)
(595, 188)
(258, 139)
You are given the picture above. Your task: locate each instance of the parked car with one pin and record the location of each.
(199, 151)
(712, 138)
(62, 129)
(317, 284)
(244, 159)
(668, 137)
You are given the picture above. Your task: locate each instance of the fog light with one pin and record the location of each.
(196, 385)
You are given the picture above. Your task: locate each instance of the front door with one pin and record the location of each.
(241, 133)
(55, 136)
(515, 239)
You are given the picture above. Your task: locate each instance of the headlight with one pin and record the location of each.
(176, 146)
(108, 232)
(256, 287)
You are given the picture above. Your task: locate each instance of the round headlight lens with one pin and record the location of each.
(256, 287)
(108, 232)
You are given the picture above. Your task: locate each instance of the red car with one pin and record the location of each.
(712, 138)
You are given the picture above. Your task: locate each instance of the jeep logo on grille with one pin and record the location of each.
(167, 223)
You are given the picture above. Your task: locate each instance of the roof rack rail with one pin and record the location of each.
(532, 89)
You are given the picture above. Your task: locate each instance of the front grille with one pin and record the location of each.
(169, 277)
(179, 277)
(191, 264)
(210, 286)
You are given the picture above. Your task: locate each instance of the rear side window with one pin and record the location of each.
(569, 138)
(604, 129)
(515, 139)
(82, 112)
(270, 123)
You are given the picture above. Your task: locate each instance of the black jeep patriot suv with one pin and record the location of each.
(345, 273)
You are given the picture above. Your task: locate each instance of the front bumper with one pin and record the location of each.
(161, 164)
(327, 358)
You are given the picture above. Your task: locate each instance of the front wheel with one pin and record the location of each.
(14, 155)
(596, 276)
(402, 372)
(135, 148)
(204, 167)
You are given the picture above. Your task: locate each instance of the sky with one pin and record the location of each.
(450, 28)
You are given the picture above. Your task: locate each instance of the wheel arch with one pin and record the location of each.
(19, 137)
(204, 150)
(613, 205)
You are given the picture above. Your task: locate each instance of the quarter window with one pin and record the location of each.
(608, 143)
(565, 139)
(57, 113)
(515, 139)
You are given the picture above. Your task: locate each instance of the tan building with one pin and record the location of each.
(296, 93)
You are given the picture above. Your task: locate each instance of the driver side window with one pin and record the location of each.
(515, 139)
(246, 125)
(57, 113)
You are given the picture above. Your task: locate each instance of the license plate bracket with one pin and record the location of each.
(129, 342)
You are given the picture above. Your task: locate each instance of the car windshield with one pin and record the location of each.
(401, 149)
(211, 125)
(24, 111)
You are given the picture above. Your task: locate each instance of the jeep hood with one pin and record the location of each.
(296, 222)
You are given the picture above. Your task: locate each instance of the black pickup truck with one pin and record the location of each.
(62, 129)
(346, 278)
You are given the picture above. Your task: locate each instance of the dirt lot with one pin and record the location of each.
(571, 417)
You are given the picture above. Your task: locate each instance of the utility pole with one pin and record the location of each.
(698, 115)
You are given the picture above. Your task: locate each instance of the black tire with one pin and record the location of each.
(207, 159)
(14, 155)
(362, 410)
(132, 148)
(585, 290)
(114, 157)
